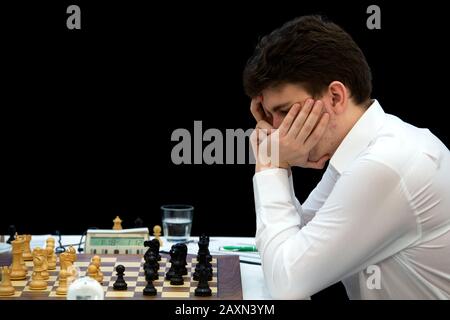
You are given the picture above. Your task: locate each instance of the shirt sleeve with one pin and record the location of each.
(316, 198)
(365, 219)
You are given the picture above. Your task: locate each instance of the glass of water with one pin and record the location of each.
(177, 222)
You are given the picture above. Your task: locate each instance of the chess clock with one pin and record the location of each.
(126, 241)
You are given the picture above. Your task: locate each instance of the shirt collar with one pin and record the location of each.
(359, 137)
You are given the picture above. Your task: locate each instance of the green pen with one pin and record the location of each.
(241, 248)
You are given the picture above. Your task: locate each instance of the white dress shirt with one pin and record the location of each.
(379, 220)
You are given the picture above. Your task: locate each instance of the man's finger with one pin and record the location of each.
(287, 121)
(319, 164)
(263, 124)
(264, 134)
(299, 121)
(318, 132)
(256, 109)
(310, 122)
(254, 142)
(264, 148)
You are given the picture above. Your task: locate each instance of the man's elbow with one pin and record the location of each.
(285, 285)
(288, 291)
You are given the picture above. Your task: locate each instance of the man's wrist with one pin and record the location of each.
(260, 167)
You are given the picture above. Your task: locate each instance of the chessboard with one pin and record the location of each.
(225, 285)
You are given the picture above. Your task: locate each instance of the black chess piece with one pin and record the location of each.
(148, 245)
(208, 254)
(150, 260)
(203, 289)
(203, 262)
(171, 272)
(156, 246)
(153, 248)
(177, 265)
(203, 247)
(152, 271)
(149, 289)
(183, 255)
(11, 233)
(120, 283)
(138, 223)
(151, 264)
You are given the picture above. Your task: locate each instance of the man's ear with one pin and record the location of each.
(339, 96)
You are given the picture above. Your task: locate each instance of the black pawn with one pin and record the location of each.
(203, 289)
(11, 233)
(120, 283)
(149, 289)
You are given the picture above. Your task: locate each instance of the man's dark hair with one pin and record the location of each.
(311, 52)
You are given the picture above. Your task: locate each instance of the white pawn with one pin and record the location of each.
(96, 260)
(51, 257)
(92, 271)
(157, 234)
(63, 286)
(6, 288)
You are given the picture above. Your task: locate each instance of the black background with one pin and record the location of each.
(87, 114)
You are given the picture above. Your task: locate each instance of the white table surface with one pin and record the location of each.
(253, 285)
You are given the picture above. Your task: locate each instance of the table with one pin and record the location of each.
(253, 285)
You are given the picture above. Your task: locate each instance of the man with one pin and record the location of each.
(379, 220)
